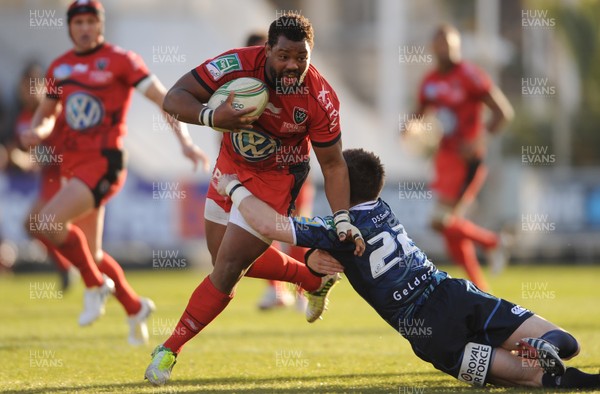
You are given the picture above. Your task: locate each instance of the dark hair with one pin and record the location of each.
(366, 175)
(292, 26)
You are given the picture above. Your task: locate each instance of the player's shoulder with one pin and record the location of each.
(117, 52)
(240, 59)
(320, 90)
(472, 72)
(314, 79)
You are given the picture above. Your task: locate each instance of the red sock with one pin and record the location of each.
(468, 229)
(204, 305)
(273, 264)
(123, 291)
(463, 253)
(61, 261)
(76, 250)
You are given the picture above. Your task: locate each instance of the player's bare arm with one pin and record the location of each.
(154, 90)
(42, 122)
(187, 97)
(337, 190)
(502, 110)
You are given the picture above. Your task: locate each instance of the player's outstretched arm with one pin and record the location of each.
(257, 213)
(156, 92)
(42, 122)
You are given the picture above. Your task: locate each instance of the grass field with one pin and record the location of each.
(246, 351)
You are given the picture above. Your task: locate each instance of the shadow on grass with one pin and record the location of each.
(311, 384)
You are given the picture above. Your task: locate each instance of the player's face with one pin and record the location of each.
(446, 47)
(287, 61)
(86, 32)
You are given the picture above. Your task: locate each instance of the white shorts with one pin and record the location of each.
(214, 213)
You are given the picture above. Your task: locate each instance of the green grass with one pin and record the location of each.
(246, 351)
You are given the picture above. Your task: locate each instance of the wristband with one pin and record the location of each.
(206, 117)
(237, 192)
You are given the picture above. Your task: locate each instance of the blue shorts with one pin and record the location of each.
(457, 313)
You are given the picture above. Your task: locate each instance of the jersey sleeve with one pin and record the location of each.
(216, 71)
(317, 233)
(477, 82)
(324, 129)
(135, 69)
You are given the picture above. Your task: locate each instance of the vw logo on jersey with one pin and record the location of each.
(254, 145)
(83, 111)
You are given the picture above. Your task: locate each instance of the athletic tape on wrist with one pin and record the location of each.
(237, 192)
(341, 216)
(206, 117)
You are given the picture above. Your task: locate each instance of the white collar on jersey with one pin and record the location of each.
(365, 206)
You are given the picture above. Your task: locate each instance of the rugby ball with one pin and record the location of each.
(249, 92)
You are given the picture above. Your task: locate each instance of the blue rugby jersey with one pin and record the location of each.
(393, 275)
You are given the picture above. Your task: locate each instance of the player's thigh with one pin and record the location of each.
(534, 327)
(73, 200)
(214, 236)
(508, 370)
(33, 212)
(92, 225)
(238, 251)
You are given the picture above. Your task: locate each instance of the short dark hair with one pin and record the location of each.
(366, 175)
(292, 26)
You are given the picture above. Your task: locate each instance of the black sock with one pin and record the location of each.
(565, 342)
(572, 379)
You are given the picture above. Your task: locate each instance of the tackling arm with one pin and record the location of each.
(259, 215)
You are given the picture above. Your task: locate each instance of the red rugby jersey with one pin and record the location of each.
(457, 96)
(95, 90)
(294, 117)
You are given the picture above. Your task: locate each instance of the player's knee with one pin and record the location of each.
(566, 343)
(98, 255)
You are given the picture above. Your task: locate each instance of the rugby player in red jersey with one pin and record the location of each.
(277, 293)
(270, 156)
(457, 91)
(88, 95)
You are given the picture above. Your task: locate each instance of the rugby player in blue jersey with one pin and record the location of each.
(469, 334)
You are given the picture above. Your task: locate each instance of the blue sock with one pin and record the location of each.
(565, 342)
(573, 379)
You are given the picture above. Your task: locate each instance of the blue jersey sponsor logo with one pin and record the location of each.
(83, 111)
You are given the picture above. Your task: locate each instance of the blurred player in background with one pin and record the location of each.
(457, 91)
(46, 156)
(277, 293)
(88, 92)
(270, 153)
(464, 332)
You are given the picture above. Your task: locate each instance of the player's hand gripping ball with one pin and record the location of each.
(249, 92)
